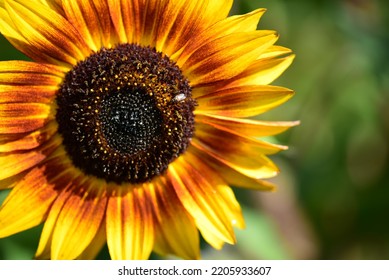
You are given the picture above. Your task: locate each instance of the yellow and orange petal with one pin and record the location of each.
(229, 65)
(175, 230)
(130, 228)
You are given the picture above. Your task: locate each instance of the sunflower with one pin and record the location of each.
(132, 121)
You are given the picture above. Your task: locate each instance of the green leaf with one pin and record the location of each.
(260, 239)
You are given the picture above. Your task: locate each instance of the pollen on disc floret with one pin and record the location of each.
(125, 113)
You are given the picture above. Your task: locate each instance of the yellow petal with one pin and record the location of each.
(176, 232)
(226, 57)
(230, 175)
(8, 28)
(227, 198)
(27, 204)
(258, 167)
(44, 247)
(16, 163)
(63, 180)
(231, 142)
(79, 221)
(53, 4)
(262, 71)
(130, 231)
(242, 101)
(203, 201)
(275, 51)
(95, 246)
(247, 127)
(11, 182)
(51, 38)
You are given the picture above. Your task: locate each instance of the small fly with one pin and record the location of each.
(178, 98)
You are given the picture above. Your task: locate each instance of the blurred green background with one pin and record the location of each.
(333, 195)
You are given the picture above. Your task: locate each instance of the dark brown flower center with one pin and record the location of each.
(125, 113)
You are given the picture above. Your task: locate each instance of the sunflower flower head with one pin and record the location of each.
(132, 121)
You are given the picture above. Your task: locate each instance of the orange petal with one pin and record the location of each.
(242, 101)
(150, 9)
(127, 18)
(13, 110)
(226, 57)
(135, 20)
(91, 19)
(28, 82)
(166, 24)
(230, 25)
(130, 231)
(179, 21)
(23, 117)
(203, 201)
(117, 13)
(246, 127)
(15, 163)
(79, 221)
(48, 36)
(23, 142)
(21, 125)
(27, 204)
(27, 94)
(30, 73)
(175, 232)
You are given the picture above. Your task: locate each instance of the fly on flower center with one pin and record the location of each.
(125, 113)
